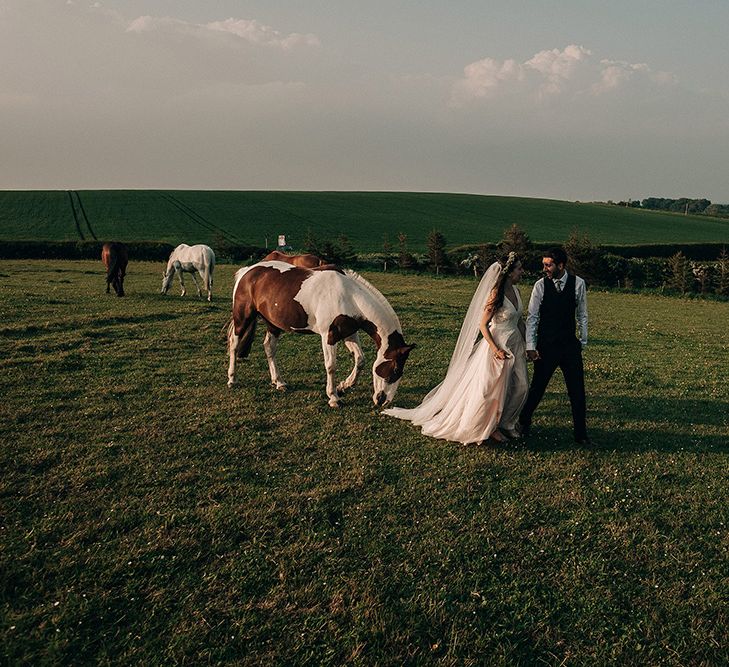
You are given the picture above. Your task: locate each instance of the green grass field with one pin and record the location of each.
(151, 515)
(365, 217)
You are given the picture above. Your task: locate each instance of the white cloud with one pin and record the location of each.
(258, 33)
(250, 30)
(558, 66)
(572, 70)
(162, 24)
(486, 75)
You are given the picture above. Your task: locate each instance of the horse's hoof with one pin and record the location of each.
(334, 404)
(280, 386)
(231, 383)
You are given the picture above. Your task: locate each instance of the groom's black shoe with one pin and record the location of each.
(524, 429)
(584, 441)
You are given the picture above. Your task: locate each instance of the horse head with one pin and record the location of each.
(168, 275)
(388, 368)
(166, 280)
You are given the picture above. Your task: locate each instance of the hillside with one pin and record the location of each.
(365, 217)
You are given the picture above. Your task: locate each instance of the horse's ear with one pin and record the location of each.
(406, 349)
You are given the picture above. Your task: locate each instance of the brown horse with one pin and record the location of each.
(115, 258)
(333, 303)
(307, 261)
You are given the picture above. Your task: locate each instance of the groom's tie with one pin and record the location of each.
(558, 285)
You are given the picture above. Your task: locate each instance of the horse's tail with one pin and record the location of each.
(113, 267)
(225, 330)
(228, 329)
(245, 339)
(114, 271)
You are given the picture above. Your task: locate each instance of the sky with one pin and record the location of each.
(569, 99)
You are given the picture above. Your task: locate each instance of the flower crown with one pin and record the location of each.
(511, 261)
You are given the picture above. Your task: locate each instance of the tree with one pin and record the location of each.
(311, 243)
(719, 210)
(404, 259)
(581, 253)
(515, 240)
(345, 251)
(678, 275)
(436, 250)
(339, 251)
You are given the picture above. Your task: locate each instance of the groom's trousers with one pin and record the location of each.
(567, 357)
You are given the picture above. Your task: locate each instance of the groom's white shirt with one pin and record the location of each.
(535, 303)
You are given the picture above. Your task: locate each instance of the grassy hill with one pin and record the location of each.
(365, 217)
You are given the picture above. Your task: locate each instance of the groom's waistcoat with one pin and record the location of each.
(557, 314)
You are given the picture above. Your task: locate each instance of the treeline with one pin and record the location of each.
(702, 268)
(140, 250)
(677, 273)
(143, 251)
(683, 205)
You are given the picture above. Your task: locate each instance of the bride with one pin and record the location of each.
(486, 383)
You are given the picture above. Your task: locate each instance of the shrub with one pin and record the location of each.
(437, 257)
(678, 274)
(515, 240)
(405, 259)
(138, 250)
(581, 255)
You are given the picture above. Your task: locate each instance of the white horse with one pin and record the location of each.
(327, 301)
(190, 259)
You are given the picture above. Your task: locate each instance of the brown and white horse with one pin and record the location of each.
(327, 301)
(115, 258)
(308, 261)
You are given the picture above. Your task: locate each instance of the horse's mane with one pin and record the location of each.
(378, 296)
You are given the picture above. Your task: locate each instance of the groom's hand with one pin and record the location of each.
(532, 355)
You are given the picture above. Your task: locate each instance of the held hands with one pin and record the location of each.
(500, 354)
(532, 355)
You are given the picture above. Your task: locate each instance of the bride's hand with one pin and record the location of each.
(500, 354)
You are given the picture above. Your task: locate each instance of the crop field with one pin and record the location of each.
(257, 218)
(149, 514)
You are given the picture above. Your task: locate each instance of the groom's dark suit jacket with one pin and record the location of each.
(557, 315)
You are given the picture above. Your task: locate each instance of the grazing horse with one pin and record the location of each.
(191, 259)
(308, 261)
(115, 258)
(328, 301)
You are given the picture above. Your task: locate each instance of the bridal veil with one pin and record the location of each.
(436, 399)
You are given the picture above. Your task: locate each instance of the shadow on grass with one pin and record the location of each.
(690, 412)
(555, 439)
(75, 325)
(605, 342)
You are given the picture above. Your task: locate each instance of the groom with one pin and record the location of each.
(557, 299)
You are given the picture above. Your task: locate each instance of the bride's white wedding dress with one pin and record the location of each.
(479, 392)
